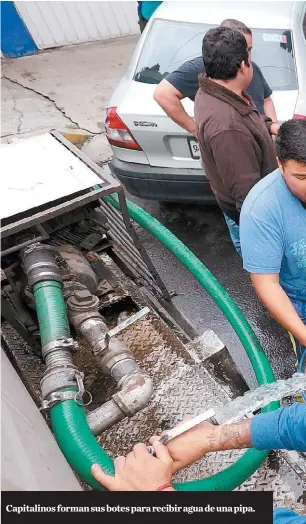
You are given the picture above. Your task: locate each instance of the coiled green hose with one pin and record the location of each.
(69, 420)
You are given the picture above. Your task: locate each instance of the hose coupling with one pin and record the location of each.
(58, 377)
(78, 393)
(39, 263)
(56, 345)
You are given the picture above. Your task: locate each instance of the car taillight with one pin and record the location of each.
(117, 132)
(297, 116)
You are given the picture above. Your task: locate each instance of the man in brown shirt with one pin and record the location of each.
(235, 141)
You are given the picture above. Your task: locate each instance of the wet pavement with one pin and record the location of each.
(203, 230)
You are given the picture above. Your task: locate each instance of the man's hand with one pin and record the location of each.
(274, 128)
(192, 445)
(139, 471)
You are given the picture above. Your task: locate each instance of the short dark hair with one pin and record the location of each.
(291, 141)
(223, 51)
(236, 26)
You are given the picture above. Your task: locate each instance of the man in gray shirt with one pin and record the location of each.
(184, 83)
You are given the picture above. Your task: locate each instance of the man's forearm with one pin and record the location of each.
(230, 436)
(175, 110)
(280, 306)
(170, 102)
(269, 109)
(281, 429)
(219, 438)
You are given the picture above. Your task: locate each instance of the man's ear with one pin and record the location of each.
(244, 67)
(280, 165)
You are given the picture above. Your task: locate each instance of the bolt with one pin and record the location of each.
(83, 296)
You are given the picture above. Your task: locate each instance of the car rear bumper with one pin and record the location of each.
(164, 184)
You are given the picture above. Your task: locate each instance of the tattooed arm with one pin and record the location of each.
(235, 436)
(206, 438)
(284, 428)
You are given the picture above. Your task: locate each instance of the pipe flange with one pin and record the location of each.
(135, 393)
(54, 345)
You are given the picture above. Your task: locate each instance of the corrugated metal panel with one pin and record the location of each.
(53, 24)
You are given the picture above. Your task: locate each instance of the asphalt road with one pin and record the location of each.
(203, 230)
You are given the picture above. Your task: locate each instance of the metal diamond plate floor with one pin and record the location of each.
(182, 386)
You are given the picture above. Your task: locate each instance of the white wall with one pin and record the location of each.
(53, 24)
(30, 457)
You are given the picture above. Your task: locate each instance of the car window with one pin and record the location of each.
(273, 52)
(169, 44)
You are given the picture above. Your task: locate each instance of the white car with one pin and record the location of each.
(152, 156)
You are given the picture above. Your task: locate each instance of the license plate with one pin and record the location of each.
(194, 148)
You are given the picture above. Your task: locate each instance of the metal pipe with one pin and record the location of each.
(104, 417)
(115, 359)
(94, 331)
(136, 390)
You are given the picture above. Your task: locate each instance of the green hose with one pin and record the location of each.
(51, 311)
(69, 420)
(77, 441)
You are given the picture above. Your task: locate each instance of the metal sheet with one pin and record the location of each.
(37, 171)
(53, 24)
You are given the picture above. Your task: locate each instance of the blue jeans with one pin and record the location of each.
(234, 233)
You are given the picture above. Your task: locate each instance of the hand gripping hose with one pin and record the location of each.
(69, 422)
